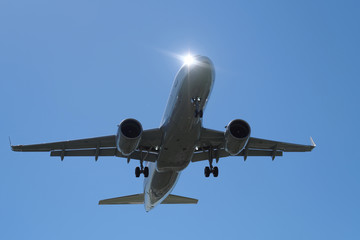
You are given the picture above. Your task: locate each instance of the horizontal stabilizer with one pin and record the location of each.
(131, 199)
(139, 199)
(174, 199)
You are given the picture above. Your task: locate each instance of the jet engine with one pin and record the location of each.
(128, 136)
(237, 135)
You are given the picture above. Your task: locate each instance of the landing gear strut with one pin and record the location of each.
(211, 169)
(196, 101)
(141, 169)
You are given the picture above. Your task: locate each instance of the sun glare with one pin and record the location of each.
(188, 60)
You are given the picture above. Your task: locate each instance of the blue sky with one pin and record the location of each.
(75, 69)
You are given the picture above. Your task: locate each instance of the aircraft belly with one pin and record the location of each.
(174, 160)
(182, 130)
(178, 145)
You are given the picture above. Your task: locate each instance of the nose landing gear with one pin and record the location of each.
(198, 112)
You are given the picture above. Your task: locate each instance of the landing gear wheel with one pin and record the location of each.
(216, 171)
(201, 113)
(146, 172)
(137, 172)
(207, 171)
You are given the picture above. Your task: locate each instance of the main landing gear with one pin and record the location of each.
(210, 169)
(213, 170)
(141, 169)
(196, 101)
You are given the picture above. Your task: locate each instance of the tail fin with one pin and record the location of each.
(139, 199)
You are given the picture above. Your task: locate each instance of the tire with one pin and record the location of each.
(137, 172)
(201, 114)
(146, 172)
(207, 172)
(216, 171)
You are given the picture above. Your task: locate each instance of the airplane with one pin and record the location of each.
(180, 140)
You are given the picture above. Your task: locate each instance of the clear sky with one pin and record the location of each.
(75, 69)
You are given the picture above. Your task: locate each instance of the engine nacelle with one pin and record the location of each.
(237, 135)
(128, 136)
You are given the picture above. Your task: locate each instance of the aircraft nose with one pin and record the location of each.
(198, 61)
(202, 64)
(203, 60)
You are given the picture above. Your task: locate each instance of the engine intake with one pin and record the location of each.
(237, 135)
(128, 136)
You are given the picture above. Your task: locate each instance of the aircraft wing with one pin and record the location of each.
(98, 146)
(212, 142)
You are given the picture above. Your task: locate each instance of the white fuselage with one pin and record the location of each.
(181, 129)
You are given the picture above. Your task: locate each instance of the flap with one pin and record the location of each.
(201, 156)
(146, 156)
(259, 143)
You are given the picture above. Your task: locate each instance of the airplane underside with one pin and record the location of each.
(180, 140)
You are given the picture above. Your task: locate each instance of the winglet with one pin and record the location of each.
(312, 142)
(10, 144)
